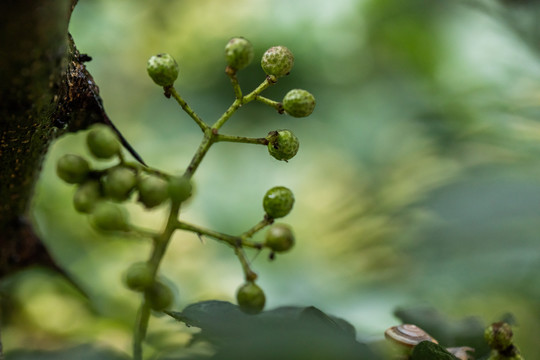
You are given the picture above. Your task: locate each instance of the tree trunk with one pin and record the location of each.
(45, 91)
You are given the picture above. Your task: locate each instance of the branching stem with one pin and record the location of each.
(171, 90)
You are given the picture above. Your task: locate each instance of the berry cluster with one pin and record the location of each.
(99, 191)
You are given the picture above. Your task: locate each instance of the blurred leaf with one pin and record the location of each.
(284, 333)
(428, 350)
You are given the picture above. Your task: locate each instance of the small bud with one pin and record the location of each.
(238, 53)
(153, 191)
(139, 276)
(499, 336)
(179, 188)
(282, 144)
(87, 196)
(102, 142)
(159, 296)
(109, 217)
(163, 69)
(250, 298)
(277, 61)
(73, 169)
(278, 202)
(299, 103)
(119, 183)
(279, 238)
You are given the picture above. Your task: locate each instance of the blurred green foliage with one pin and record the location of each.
(417, 180)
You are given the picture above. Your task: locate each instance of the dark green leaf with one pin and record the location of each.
(428, 350)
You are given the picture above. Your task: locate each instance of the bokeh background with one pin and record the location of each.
(417, 182)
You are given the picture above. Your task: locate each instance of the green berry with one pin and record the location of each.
(499, 336)
(102, 142)
(179, 188)
(109, 217)
(238, 53)
(279, 238)
(86, 196)
(250, 298)
(139, 276)
(163, 69)
(282, 144)
(299, 103)
(119, 182)
(159, 296)
(277, 61)
(278, 202)
(73, 169)
(153, 191)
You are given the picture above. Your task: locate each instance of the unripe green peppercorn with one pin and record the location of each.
(139, 276)
(153, 191)
(73, 169)
(282, 144)
(109, 217)
(102, 142)
(250, 298)
(159, 296)
(278, 202)
(298, 103)
(238, 53)
(499, 336)
(179, 188)
(163, 69)
(277, 61)
(119, 182)
(279, 238)
(86, 196)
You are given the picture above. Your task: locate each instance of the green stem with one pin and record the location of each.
(141, 326)
(171, 90)
(269, 81)
(161, 242)
(241, 139)
(250, 275)
(207, 141)
(274, 104)
(234, 81)
(234, 241)
(261, 225)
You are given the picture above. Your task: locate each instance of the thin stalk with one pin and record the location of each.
(206, 142)
(261, 225)
(241, 139)
(274, 104)
(171, 90)
(231, 73)
(161, 242)
(269, 81)
(249, 274)
(234, 241)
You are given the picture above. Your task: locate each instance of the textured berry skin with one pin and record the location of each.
(109, 217)
(153, 191)
(238, 53)
(139, 276)
(282, 144)
(499, 336)
(250, 298)
(159, 296)
(299, 103)
(73, 169)
(163, 69)
(279, 238)
(179, 188)
(102, 142)
(119, 183)
(278, 202)
(277, 61)
(87, 196)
